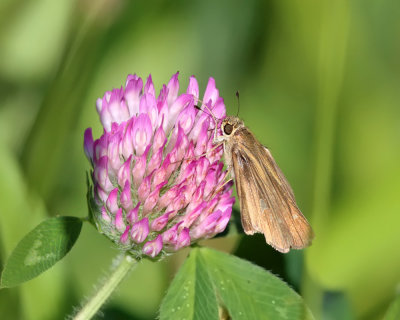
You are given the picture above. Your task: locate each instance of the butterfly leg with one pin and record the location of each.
(200, 155)
(220, 188)
(228, 178)
(225, 183)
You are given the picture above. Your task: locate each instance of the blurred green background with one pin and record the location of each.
(319, 85)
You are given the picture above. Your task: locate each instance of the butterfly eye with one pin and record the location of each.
(228, 128)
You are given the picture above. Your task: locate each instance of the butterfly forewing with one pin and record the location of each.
(267, 201)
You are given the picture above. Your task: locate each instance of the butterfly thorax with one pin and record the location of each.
(233, 131)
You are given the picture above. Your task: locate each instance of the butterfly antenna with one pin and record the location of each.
(210, 113)
(238, 101)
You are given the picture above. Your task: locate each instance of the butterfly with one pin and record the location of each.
(267, 202)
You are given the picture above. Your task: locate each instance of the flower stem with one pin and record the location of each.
(122, 265)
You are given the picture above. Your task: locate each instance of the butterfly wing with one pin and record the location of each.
(267, 201)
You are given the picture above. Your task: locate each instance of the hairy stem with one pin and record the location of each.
(122, 265)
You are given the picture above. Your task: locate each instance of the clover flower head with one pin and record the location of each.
(157, 180)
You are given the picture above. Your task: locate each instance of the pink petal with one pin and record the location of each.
(202, 139)
(142, 133)
(177, 106)
(139, 169)
(219, 109)
(211, 92)
(183, 239)
(173, 89)
(152, 199)
(149, 87)
(159, 139)
(113, 153)
(140, 230)
(127, 140)
(126, 196)
(124, 173)
(112, 201)
(119, 221)
(206, 227)
(201, 169)
(168, 196)
(155, 161)
(153, 248)
(125, 236)
(133, 91)
(171, 235)
(101, 174)
(144, 188)
(116, 107)
(105, 215)
(132, 215)
(223, 221)
(88, 144)
(186, 118)
(105, 116)
(148, 106)
(159, 223)
(193, 88)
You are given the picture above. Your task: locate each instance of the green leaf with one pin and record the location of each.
(40, 249)
(191, 294)
(393, 312)
(211, 284)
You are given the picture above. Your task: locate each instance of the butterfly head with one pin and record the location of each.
(230, 124)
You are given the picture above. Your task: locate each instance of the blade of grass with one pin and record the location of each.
(47, 142)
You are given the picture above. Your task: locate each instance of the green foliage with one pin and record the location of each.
(40, 249)
(20, 211)
(393, 312)
(212, 283)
